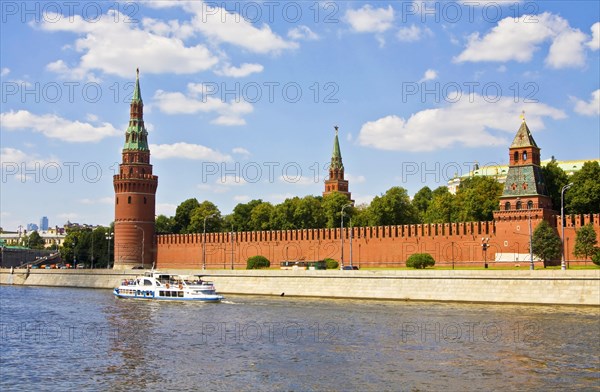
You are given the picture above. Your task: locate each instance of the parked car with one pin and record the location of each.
(349, 267)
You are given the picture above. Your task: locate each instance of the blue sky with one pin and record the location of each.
(241, 97)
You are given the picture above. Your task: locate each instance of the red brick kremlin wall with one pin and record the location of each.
(383, 246)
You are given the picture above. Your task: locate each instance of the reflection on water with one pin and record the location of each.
(77, 339)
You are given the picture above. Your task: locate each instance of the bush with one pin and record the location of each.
(596, 257)
(331, 264)
(257, 262)
(420, 260)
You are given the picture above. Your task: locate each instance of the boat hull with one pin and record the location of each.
(151, 295)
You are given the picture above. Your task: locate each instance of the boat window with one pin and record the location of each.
(147, 282)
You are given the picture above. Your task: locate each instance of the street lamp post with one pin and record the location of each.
(143, 240)
(109, 236)
(232, 244)
(484, 247)
(92, 248)
(351, 230)
(342, 234)
(563, 265)
(204, 242)
(531, 265)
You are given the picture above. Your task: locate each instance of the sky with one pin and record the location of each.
(241, 98)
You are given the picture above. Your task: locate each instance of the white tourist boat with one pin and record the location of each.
(163, 286)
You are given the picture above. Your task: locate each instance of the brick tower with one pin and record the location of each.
(135, 193)
(336, 182)
(524, 201)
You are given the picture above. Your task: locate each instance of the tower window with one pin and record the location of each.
(144, 200)
(117, 202)
(507, 206)
(516, 156)
(128, 199)
(524, 155)
(530, 205)
(519, 205)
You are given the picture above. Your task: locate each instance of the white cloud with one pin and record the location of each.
(69, 216)
(221, 25)
(118, 47)
(302, 32)
(355, 179)
(166, 209)
(464, 123)
(241, 198)
(293, 179)
(241, 151)
(241, 71)
(171, 28)
(23, 165)
(224, 183)
(567, 50)
(370, 20)
(591, 108)
(594, 42)
(413, 33)
(91, 117)
(430, 74)
(362, 199)
(197, 101)
(53, 126)
(276, 198)
(5, 71)
(518, 39)
(187, 151)
(101, 200)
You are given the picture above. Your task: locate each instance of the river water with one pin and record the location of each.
(55, 339)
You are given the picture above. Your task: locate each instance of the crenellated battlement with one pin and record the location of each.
(365, 233)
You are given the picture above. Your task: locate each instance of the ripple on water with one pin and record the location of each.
(77, 339)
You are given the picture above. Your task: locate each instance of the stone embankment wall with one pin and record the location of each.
(571, 287)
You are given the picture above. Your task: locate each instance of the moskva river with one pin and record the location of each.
(59, 339)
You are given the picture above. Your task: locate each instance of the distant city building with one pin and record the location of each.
(32, 227)
(499, 172)
(44, 223)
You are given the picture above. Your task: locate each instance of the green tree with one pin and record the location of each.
(546, 243)
(35, 241)
(205, 209)
(242, 214)
(442, 208)
(477, 198)
(584, 195)
(332, 207)
(361, 216)
(283, 217)
(585, 242)
(554, 178)
(261, 217)
(393, 208)
(421, 201)
(165, 225)
(309, 213)
(183, 216)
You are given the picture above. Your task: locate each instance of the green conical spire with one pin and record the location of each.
(336, 157)
(136, 137)
(137, 94)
